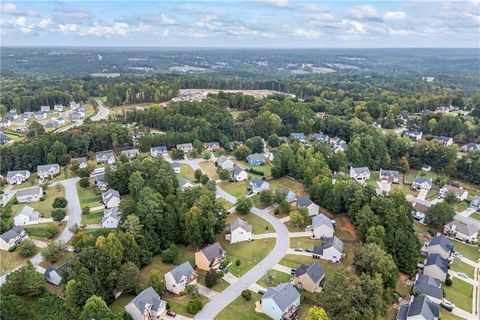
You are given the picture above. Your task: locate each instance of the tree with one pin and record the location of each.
(194, 305)
(241, 152)
(247, 295)
(59, 202)
(25, 281)
(206, 155)
(85, 210)
(27, 248)
(178, 154)
(439, 214)
(255, 144)
(211, 278)
(316, 313)
(53, 251)
(243, 205)
(132, 225)
(35, 130)
(96, 308)
(84, 182)
(273, 141)
(13, 308)
(156, 281)
(299, 216)
(266, 197)
(58, 214)
(170, 255)
(198, 174)
(223, 174)
(129, 277)
(51, 231)
(450, 197)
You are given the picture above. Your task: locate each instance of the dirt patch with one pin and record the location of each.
(404, 285)
(345, 227)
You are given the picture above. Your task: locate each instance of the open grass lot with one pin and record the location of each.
(468, 251)
(290, 184)
(277, 277)
(344, 229)
(39, 231)
(236, 189)
(304, 242)
(43, 207)
(209, 168)
(266, 168)
(186, 172)
(459, 266)
(92, 218)
(9, 261)
(227, 205)
(257, 203)
(373, 179)
(475, 216)
(447, 315)
(460, 206)
(89, 197)
(460, 293)
(259, 225)
(118, 305)
(219, 286)
(240, 308)
(179, 303)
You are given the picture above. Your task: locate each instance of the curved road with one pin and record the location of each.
(102, 112)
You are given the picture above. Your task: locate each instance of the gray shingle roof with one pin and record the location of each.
(304, 202)
(422, 305)
(111, 213)
(442, 241)
(421, 180)
(174, 165)
(47, 167)
(161, 149)
(389, 173)
(236, 171)
(428, 286)
(320, 220)
(213, 251)
(257, 182)
(11, 234)
(436, 259)
(29, 212)
(361, 170)
(284, 295)
(149, 296)
(239, 223)
(110, 193)
(314, 271)
(28, 191)
(183, 270)
(256, 157)
(11, 174)
(333, 242)
(183, 182)
(467, 229)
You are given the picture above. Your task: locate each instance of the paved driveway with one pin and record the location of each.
(102, 112)
(422, 194)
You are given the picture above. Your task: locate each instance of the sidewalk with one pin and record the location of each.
(206, 292)
(300, 234)
(283, 269)
(264, 236)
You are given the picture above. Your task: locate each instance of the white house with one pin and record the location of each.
(331, 249)
(360, 174)
(111, 218)
(31, 194)
(257, 185)
(107, 156)
(82, 162)
(445, 141)
(17, 177)
(131, 153)
(111, 198)
(147, 305)
(290, 196)
(460, 193)
(239, 230)
(238, 174)
(322, 227)
(440, 245)
(421, 183)
(185, 147)
(26, 215)
(12, 237)
(159, 151)
(211, 146)
(48, 170)
(313, 208)
(225, 163)
(45, 108)
(389, 176)
(177, 279)
(175, 166)
(414, 135)
(475, 203)
(462, 231)
(281, 302)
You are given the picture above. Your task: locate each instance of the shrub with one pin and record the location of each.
(194, 306)
(238, 262)
(85, 210)
(211, 278)
(170, 255)
(84, 182)
(58, 214)
(257, 172)
(27, 248)
(247, 295)
(53, 251)
(59, 202)
(448, 281)
(51, 231)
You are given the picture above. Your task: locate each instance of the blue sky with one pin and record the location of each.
(255, 23)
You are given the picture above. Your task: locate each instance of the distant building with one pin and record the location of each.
(421, 183)
(211, 146)
(290, 195)
(257, 185)
(298, 136)
(12, 237)
(131, 153)
(184, 183)
(107, 156)
(321, 137)
(440, 245)
(470, 147)
(460, 194)
(389, 175)
(82, 162)
(185, 147)
(111, 198)
(45, 108)
(360, 173)
(17, 177)
(428, 286)
(225, 163)
(412, 134)
(256, 159)
(238, 174)
(435, 266)
(159, 151)
(175, 166)
(444, 141)
(48, 171)
(147, 305)
(475, 203)
(53, 275)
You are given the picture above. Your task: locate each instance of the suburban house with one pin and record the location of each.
(210, 257)
(184, 183)
(48, 170)
(238, 174)
(460, 193)
(421, 183)
(225, 163)
(475, 203)
(389, 175)
(436, 266)
(45, 108)
(5, 123)
(76, 116)
(185, 147)
(360, 174)
(175, 166)
(82, 162)
(4, 139)
(412, 134)
(290, 196)
(12, 237)
(257, 185)
(470, 147)
(445, 141)
(426, 167)
(17, 177)
(281, 302)
(159, 151)
(53, 275)
(313, 208)
(419, 212)
(322, 227)
(462, 231)
(177, 279)
(440, 245)
(41, 115)
(111, 218)
(147, 305)
(419, 308)
(31, 194)
(51, 124)
(298, 136)
(331, 249)
(111, 198)
(238, 230)
(321, 137)
(309, 277)
(269, 155)
(256, 159)
(131, 153)
(428, 286)
(211, 146)
(100, 181)
(341, 147)
(107, 156)
(59, 107)
(26, 215)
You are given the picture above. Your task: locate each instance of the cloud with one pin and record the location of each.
(11, 9)
(163, 19)
(274, 3)
(310, 34)
(363, 12)
(70, 27)
(394, 16)
(69, 15)
(45, 23)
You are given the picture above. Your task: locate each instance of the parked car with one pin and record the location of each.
(171, 314)
(298, 249)
(261, 292)
(461, 274)
(447, 304)
(309, 250)
(293, 272)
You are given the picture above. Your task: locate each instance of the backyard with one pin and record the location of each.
(9, 261)
(41, 232)
(89, 197)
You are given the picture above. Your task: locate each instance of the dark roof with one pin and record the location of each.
(284, 295)
(257, 182)
(436, 259)
(12, 233)
(304, 202)
(213, 251)
(183, 270)
(422, 305)
(442, 241)
(236, 171)
(149, 296)
(321, 219)
(428, 286)
(314, 271)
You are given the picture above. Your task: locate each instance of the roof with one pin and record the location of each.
(183, 270)
(213, 251)
(29, 212)
(130, 152)
(442, 138)
(110, 193)
(222, 159)
(184, 145)
(256, 157)
(113, 213)
(442, 241)
(422, 305)
(297, 135)
(80, 160)
(412, 132)
(239, 223)
(47, 167)
(236, 171)
(11, 174)
(457, 191)
(467, 229)
(174, 165)
(211, 144)
(183, 182)
(11, 234)
(389, 173)
(283, 295)
(428, 286)
(108, 153)
(147, 296)
(314, 271)
(419, 207)
(257, 182)
(29, 191)
(159, 149)
(332, 242)
(436, 259)
(421, 180)
(304, 202)
(57, 270)
(361, 170)
(321, 220)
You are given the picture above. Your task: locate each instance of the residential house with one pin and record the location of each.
(322, 227)
(421, 183)
(412, 134)
(53, 275)
(12, 237)
(426, 167)
(256, 159)
(41, 115)
(238, 174)
(470, 147)
(376, 125)
(320, 115)
(475, 203)
(159, 151)
(82, 162)
(389, 176)
(429, 287)
(232, 145)
(440, 245)
(210, 257)
(460, 193)
(435, 266)
(257, 185)
(312, 207)
(131, 153)
(59, 107)
(321, 137)
(76, 116)
(17, 177)
(177, 279)
(111, 198)
(28, 115)
(309, 277)
(342, 147)
(4, 139)
(185, 147)
(45, 108)
(31, 194)
(239, 230)
(74, 105)
(360, 173)
(419, 308)
(10, 116)
(331, 249)
(444, 141)
(184, 183)
(51, 124)
(420, 211)
(403, 118)
(290, 196)
(147, 305)
(5, 123)
(211, 146)
(26, 215)
(107, 156)
(298, 136)
(175, 167)
(281, 302)
(48, 171)
(111, 218)
(225, 163)
(100, 182)
(462, 231)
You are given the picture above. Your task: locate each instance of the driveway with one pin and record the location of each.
(102, 112)
(467, 212)
(422, 194)
(225, 195)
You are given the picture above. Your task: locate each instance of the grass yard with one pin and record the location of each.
(92, 218)
(39, 231)
(460, 293)
(447, 315)
(468, 251)
(344, 229)
(290, 184)
(293, 228)
(257, 203)
(241, 308)
(277, 278)
(89, 197)
(66, 256)
(118, 306)
(304, 242)
(402, 288)
(209, 168)
(157, 264)
(459, 266)
(259, 225)
(179, 303)
(475, 216)
(43, 207)
(236, 189)
(9, 261)
(186, 172)
(219, 286)
(227, 205)
(460, 206)
(266, 168)
(373, 179)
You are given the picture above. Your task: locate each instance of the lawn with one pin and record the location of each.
(179, 303)
(447, 315)
(266, 169)
(186, 172)
(118, 306)
(9, 261)
(157, 264)
(277, 278)
(459, 266)
(373, 179)
(89, 197)
(460, 293)
(43, 207)
(257, 203)
(304, 242)
(219, 286)
(402, 287)
(468, 251)
(236, 189)
(227, 205)
(475, 216)
(39, 231)
(460, 206)
(258, 224)
(344, 229)
(209, 168)
(290, 184)
(92, 218)
(241, 308)
(293, 228)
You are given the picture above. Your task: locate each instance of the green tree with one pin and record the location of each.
(439, 214)
(450, 197)
(316, 313)
(247, 295)
(198, 174)
(194, 305)
(211, 278)
(266, 197)
(35, 130)
(25, 281)
(27, 248)
(96, 308)
(13, 308)
(129, 277)
(223, 174)
(84, 182)
(132, 225)
(58, 153)
(171, 254)
(243, 205)
(51, 231)
(53, 251)
(206, 155)
(156, 281)
(59, 202)
(241, 152)
(297, 218)
(85, 210)
(58, 214)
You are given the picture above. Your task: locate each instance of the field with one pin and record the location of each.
(43, 207)
(186, 172)
(236, 189)
(468, 251)
(277, 278)
(259, 225)
(209, 168)
(88, 197)
(460, 293)
(92, 218)
(241, 308)
(9, 261)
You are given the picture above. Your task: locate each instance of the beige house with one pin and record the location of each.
(309, 277)
(436, 267)
(210, 257)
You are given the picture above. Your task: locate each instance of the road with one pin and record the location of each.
(102, 112)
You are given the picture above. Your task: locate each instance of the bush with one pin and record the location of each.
(178, 154)
(59, 202)
(85, 210)
(448, 281)
(257, 172)
(51, 231)
(247, 295)
(238, 262)
(84, 182)
(58, 214)
(12, 248)
(194, 306)
(211, 278)
(170, 255)
(27, 248)
(53, 251)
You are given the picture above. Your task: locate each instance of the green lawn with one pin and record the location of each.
(236, 189)
(227, 205)
(290, 184)
(257, 203)
(157, 264)
(475, 216)
(92, 218)
(39, 231)
(460, 206)
(460, 293)
(186, 172)
(277, 278)
(459, 266)
(9, 261)
(468, 251)
(219, 287)
(118, 305)
(43, 207)
(373, 179)
(259, 225)
(209, 168)
(179, 303)
(89, 197)
(241, 308)
(447, 315)
(304, 242)
(293, 228)
(266, 169)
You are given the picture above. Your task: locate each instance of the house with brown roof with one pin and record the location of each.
(210, 257)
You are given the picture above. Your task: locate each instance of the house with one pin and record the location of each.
(130, 153)
(51, 124)
(59, 107)
(17, 177)
(403, 118)
(290, 196)
(320, 115)
(74, 105)
(412, 134)
(435, 266)
(421, 183)
(184, 183)
(281, 302)
(26, 215)
(444, 141)
(82, 162)
(4, 139)
(159, 151)
(420, 211)
(76, 116)
(48, 171)
(5, 123)
(475, 203)
(419, 308)
(185, 147)
(331, 249)
(147, 305)
(312, 207)
(376, 125)
(210, 257)
(298, 136)
(238, 174)
(238, 230)
(45, 108)
(460, 193)
(211, 146)
(426, 167)
(60, 121)
(225, 163)
(429, 287)
(440, 245)
(389, 175)
(111, 198)
(12, 237)
(257, 185)
(322, 227)
(111, 218)
(175, 167)
(256, 159)
(470, 147)
(41, 115)
(177, 279)
(31, 194)
(309, 277)
(10, 116)
(100, 181)
(53, 275)
(462, 231)
(107, 156)
(321, 137)
(360, 173)
(28, 115)
(342, 147)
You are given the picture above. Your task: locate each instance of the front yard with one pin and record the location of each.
(186, 172)
(259, 225)
(89, 197)
(43, 207)
(459, 293)
(219, 287)
(236, 189)
(276, 277)
(40, 231)
(468, 251)
(459, 266)
(241, 308)
(208, 167)
(92, 218)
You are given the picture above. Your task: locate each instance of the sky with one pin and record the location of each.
(254, 23)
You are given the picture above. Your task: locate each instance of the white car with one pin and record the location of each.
(461, 274)
(447, 304)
